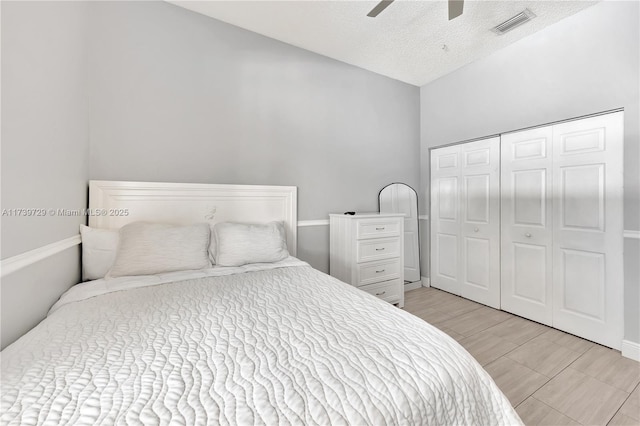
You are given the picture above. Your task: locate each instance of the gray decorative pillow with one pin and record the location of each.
(242, 243)
(154, 248)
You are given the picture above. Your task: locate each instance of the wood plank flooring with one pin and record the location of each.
(550, 377)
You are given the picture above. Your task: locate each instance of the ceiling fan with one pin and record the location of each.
(455, 8)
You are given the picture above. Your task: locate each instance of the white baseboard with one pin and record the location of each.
(426, 282)
(412, 286)
(631, 350)
(15, 263)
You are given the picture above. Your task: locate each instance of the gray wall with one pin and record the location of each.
(149, 91)
(44, 120)
(584, 64)
(44, 150)
(632, 289)
(29, 293)
(180, 97)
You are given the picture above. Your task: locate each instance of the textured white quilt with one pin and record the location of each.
(282, 346)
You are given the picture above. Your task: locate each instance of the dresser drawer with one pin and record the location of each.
(377, 228)
(373, 272)
(378, 249)
(389, 291)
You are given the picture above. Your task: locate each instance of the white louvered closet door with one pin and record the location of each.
(465, 220)
(588, 228)
(526, 224)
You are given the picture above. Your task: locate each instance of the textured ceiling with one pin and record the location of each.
(405, 42)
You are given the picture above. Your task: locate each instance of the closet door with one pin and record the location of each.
(526, 235)
(480, 221)
(465, 220)
(588, 228)
(445, 219)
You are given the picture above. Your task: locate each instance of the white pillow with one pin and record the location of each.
(98, 251)
(154, 248)
(241, 243)
(212, 246)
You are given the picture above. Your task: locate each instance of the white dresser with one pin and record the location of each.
(366, 251)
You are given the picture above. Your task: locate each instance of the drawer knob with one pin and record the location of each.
(528, 235)
(380, 294)
(380, 249)
(380, 271)
(380, 229)
(475, 229)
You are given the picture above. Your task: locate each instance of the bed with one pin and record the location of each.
(262, 343)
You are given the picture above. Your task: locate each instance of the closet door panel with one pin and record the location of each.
(582, 197)
(588, 228)
(445, 219)
(477, 191)
(529, 270)
(477, 262)
(583, 284)
(526, 229)
(480, 221)
(528, 197)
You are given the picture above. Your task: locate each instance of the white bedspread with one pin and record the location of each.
(286, 345)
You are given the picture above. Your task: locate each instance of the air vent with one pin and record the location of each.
(521, 18)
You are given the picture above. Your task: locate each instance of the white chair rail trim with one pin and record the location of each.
(319, 222)
(632, 234)
(17, 262)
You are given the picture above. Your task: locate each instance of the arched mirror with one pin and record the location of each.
(401, 198)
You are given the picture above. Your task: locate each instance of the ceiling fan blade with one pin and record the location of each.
(455, 8)
(379, 8)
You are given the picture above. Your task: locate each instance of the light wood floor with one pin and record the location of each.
(550, 377)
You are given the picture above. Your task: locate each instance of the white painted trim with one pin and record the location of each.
(423, 217)
(15, 263)
(412, 286)
(425, 282)
(631, 234)
(319, 222)
(631, 350)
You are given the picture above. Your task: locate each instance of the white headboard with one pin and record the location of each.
(113, 204)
